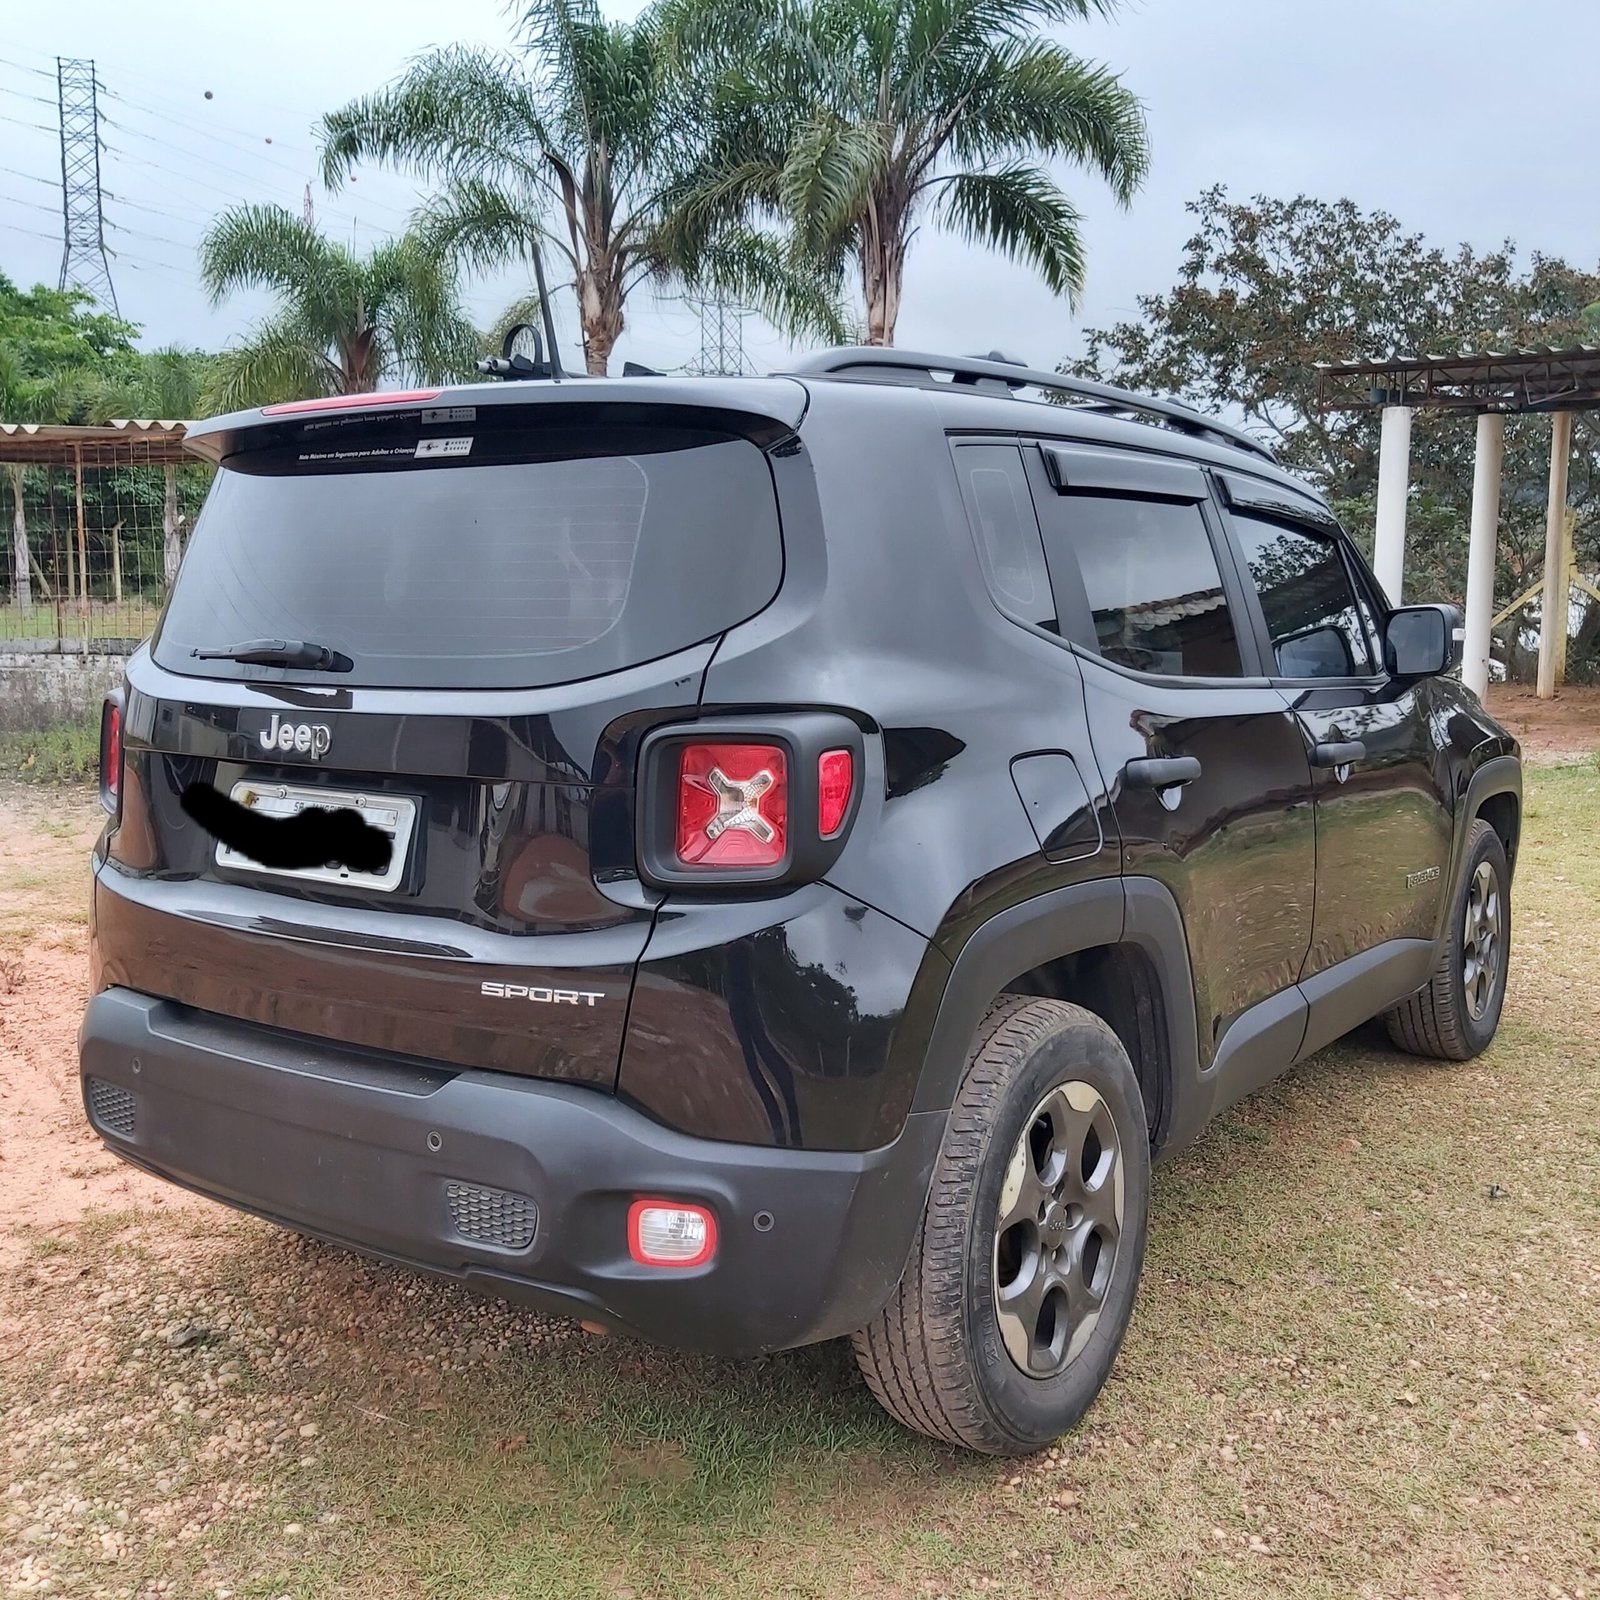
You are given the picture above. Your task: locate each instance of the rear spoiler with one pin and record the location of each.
(765, 410)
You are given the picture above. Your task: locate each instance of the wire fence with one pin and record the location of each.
(89, 547)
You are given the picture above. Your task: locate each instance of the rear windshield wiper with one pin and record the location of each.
(280, 653)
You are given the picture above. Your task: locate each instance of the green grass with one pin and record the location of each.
(1365, 1361)
(68, 753)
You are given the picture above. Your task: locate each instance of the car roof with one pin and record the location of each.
(981, 396)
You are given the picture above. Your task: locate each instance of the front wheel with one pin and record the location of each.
(1022, 1278)
(1456, 1015)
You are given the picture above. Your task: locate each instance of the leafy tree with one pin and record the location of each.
(1268, 288)
(169, 384)
(54, 353)
(344, 324)
(582, 154)
(47, 335)
(857, 120)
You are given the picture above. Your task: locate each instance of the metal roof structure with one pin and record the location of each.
(141, 441)
(1541, 379)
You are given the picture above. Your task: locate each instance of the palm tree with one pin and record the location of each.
(344, 324)
(583, 155)
(856, 119)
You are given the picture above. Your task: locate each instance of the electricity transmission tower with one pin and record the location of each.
(84, 263)
(721, 340)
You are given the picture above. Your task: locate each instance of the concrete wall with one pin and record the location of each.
(41, 689)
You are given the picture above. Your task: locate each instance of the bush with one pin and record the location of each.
(66, 753)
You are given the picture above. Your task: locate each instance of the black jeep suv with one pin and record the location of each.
(843, 826)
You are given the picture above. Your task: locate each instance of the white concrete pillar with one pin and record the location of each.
(1484, 549)
(1557, 598)
(1394, 484)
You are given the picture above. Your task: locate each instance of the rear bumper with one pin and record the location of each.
(393, 1158)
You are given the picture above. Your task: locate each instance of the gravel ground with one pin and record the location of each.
(1366, 1361)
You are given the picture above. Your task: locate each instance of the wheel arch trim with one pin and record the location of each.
(1064, 922)
(1497, 776)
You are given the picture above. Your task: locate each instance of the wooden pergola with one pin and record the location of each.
(1491, 384)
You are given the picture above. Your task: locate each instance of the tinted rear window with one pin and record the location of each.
(500, 574)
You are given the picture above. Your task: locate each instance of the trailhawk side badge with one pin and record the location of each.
(544, 997)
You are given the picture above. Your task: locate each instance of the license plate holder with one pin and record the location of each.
(392, 814)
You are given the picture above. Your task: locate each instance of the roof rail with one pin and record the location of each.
(876, 363)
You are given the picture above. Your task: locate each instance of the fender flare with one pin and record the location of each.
(1062, 922)
(1497, 775)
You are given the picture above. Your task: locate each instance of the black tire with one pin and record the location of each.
(936, 1357)
(1443, 1019)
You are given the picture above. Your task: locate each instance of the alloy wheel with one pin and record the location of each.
(1481, 940)
(1060, 1226)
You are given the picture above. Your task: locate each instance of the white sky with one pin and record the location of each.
(1469, 119)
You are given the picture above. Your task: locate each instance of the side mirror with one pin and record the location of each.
(1422, 641)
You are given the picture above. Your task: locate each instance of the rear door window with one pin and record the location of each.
(1152, 583)
(614, 547)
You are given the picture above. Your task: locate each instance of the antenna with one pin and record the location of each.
(84, 263)
(515, 363)
(545, 315)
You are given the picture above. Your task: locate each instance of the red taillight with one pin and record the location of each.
(671, 1233)
(350, 402)
(836, 771)
(110, 755)
(733, 805)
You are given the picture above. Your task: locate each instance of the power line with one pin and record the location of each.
(32, 233)
(152, 238)
(298, 172)
(38, 72)
(17, 172)
(32, 205)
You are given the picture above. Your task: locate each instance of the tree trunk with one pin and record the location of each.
(21, 578)
(359, 363)
(600, 310)
(882, 265)
(170, 550)
(116, 563)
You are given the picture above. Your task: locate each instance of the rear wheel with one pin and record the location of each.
(1022, 1278)
(1456, 1015)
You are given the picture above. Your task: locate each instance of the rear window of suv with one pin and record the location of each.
(613, 548)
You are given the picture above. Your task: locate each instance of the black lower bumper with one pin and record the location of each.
(450, 1171)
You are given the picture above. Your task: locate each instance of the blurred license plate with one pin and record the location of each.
(394, 815)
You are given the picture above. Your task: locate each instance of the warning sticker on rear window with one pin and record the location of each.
(444, 447)
(451, 414)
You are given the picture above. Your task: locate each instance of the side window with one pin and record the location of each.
(1151, 579)
(1000, 512)
(1310, 603)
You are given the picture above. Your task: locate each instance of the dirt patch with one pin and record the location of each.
(1550, 730)
(53, 1169)
(1365, 1360)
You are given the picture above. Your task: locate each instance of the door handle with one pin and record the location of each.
(1160, 772)
(1338, 753)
